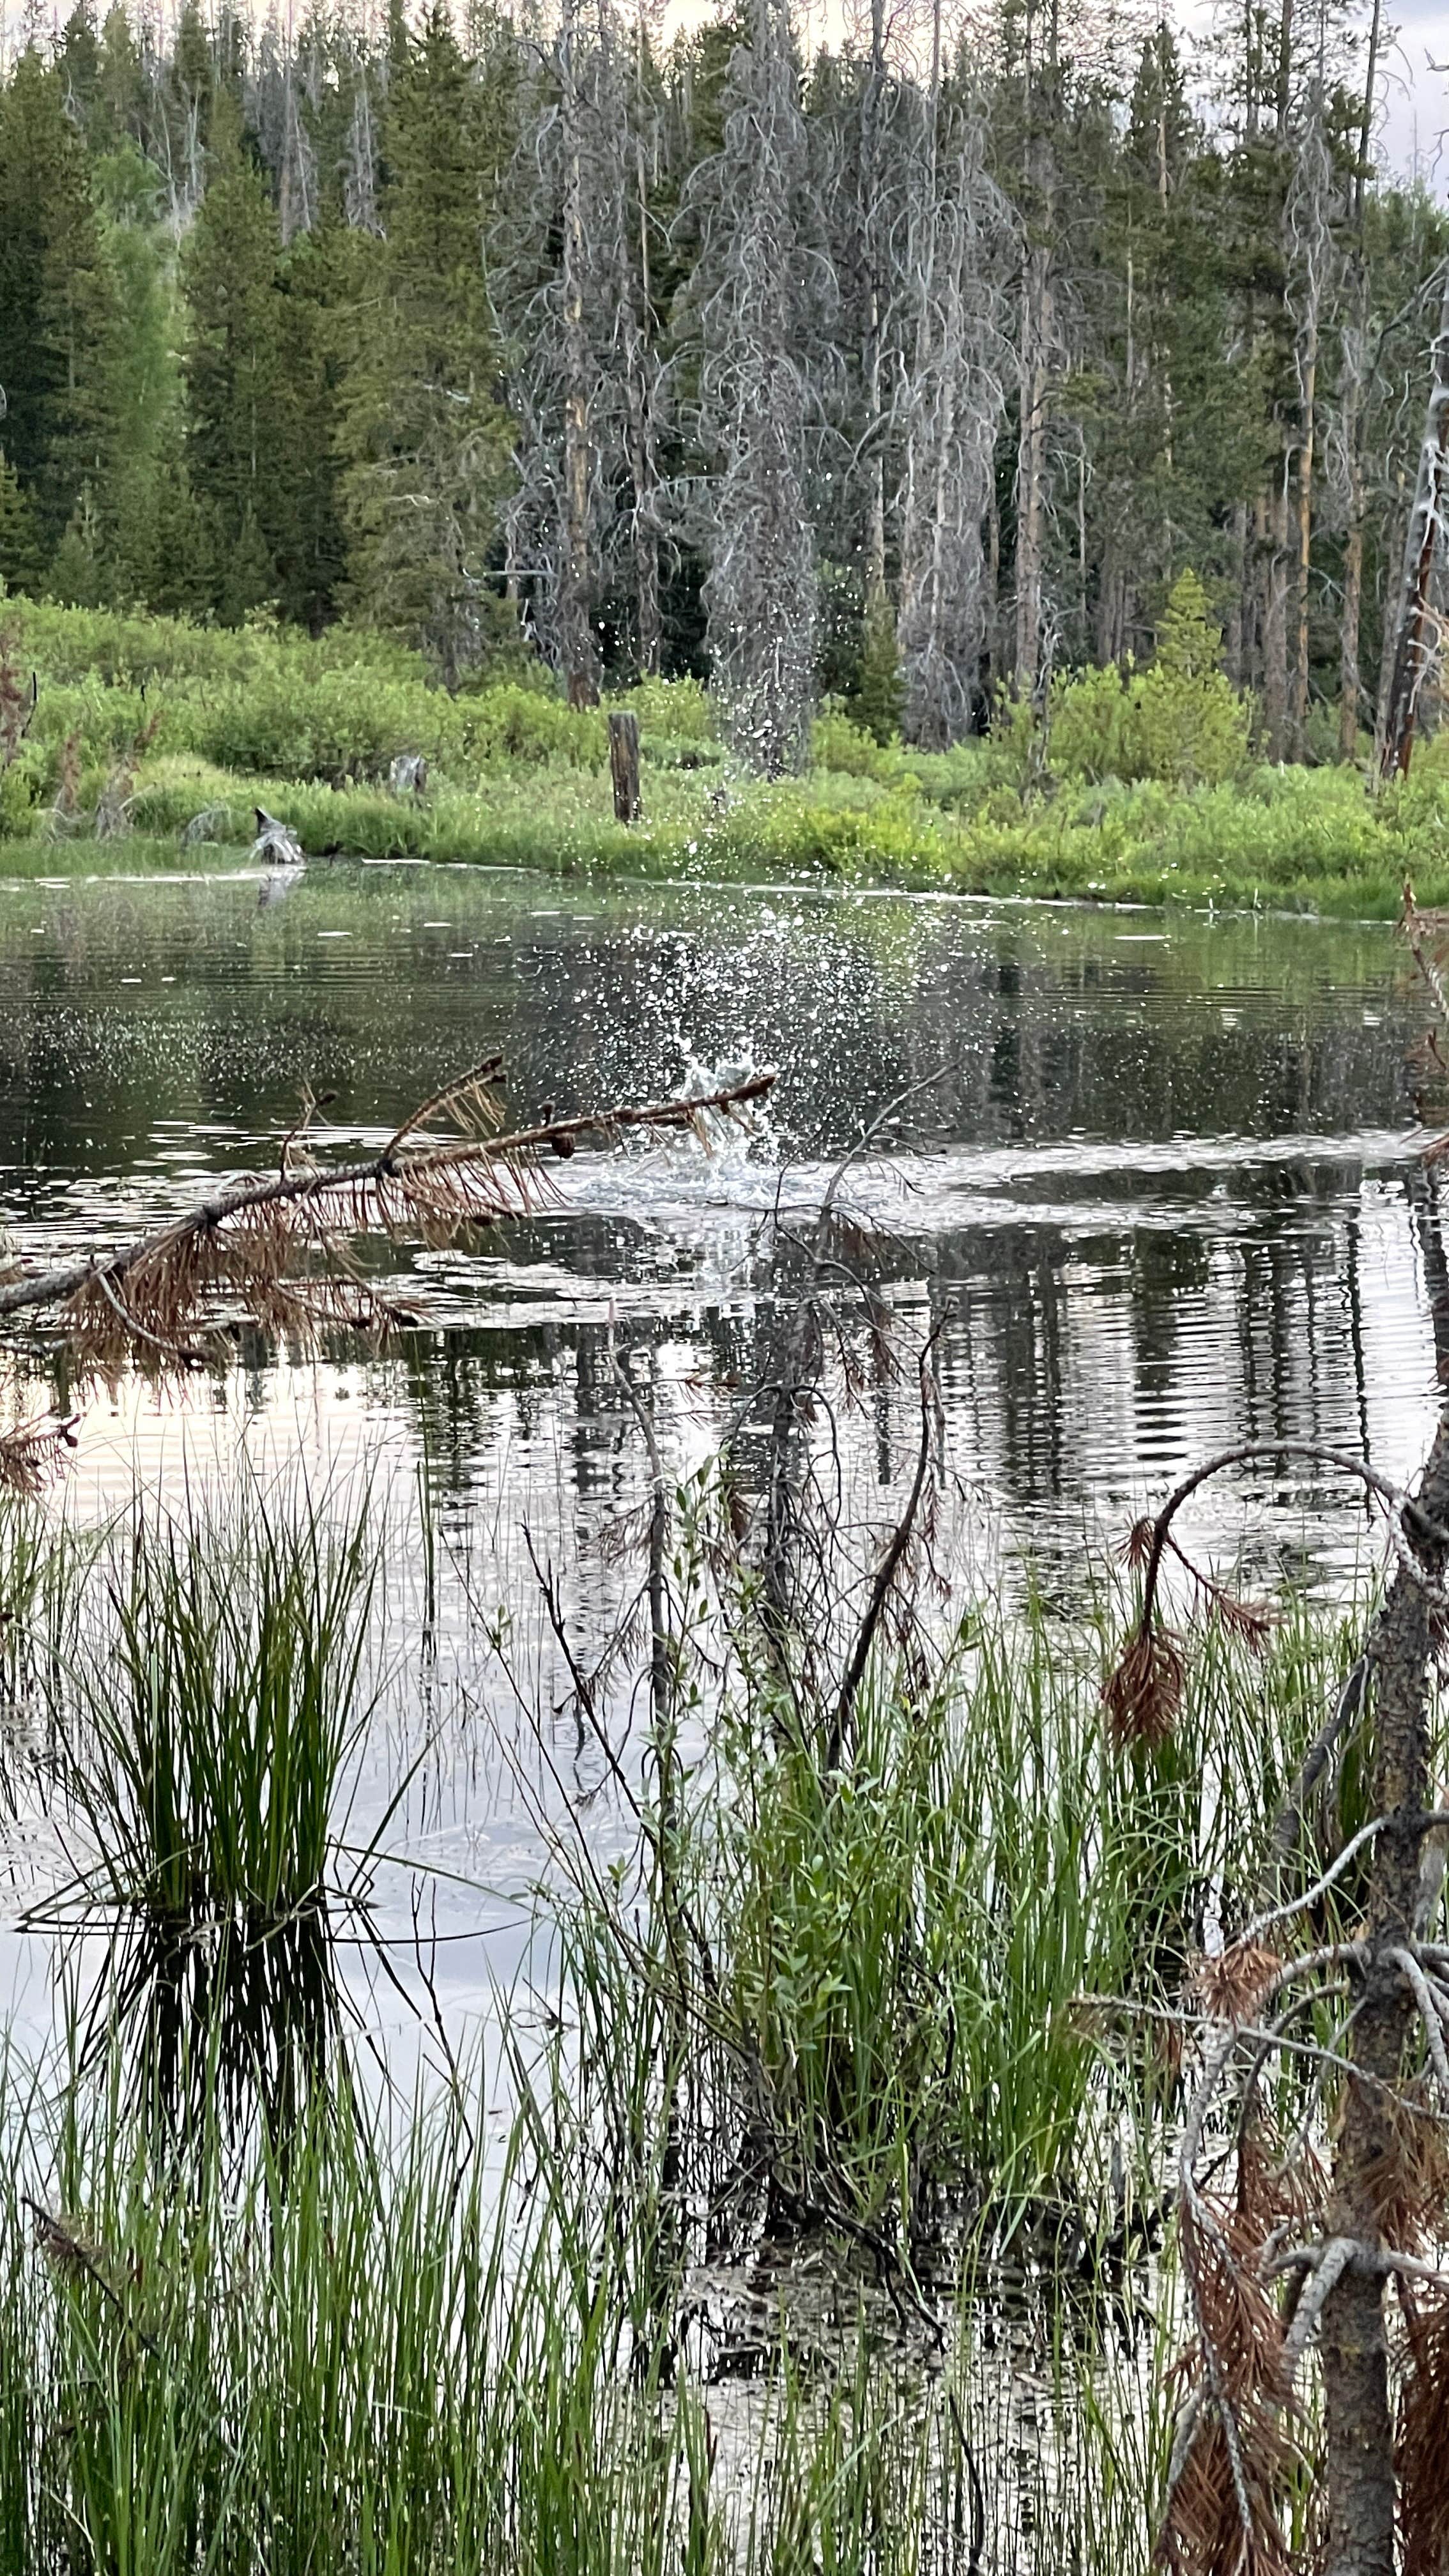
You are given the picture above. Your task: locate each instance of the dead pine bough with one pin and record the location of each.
(278, 1249)
(1304, 2025)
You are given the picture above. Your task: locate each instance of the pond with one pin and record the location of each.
(1154, 1181)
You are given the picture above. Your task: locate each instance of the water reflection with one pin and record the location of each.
(233, 2023)
(1153, 1186)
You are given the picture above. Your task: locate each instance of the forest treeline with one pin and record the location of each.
(904, 374)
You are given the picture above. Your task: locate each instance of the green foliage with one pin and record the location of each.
(20, 549)
(672, 711)
(423, 432)
(241, 421)
(1180, 721)
(878, 697)
(221, 1696)
(309, 728)
(59, 316)
(1093, 732)
(838, 743)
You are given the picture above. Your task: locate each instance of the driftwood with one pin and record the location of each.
(276, 842)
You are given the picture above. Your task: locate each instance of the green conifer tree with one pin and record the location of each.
(878, 697)
(239, 450)
(21, 561)
(59, 314)
(120, 83)
(425, 439)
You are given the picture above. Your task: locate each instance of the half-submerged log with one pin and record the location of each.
(276, 842)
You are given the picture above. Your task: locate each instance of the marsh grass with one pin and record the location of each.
(222, 1691)
(814, 2052)
(886, 1971)
(396, 2351)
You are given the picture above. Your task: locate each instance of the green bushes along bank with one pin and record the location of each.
(131, 740)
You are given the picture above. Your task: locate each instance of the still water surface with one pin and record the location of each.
(1155, 1181)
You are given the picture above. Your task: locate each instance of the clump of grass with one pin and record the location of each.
(883, 1965)
(391, 2354)
(381, 2355)
(222, 1690)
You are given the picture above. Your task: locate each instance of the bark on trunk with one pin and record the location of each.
(624, 767)
(1031, 469)
(642, 446)
(1038, 332)
(1273, 524)
(1299, 710)
(1414, 626)
(1348, 673)
(1234, 641)
(1357, 2411)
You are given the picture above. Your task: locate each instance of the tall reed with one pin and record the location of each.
(222, 1690)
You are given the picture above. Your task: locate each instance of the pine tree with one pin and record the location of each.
(21, 560)
(120, 99)
(424, 437)
(240, 453)
(59, 319)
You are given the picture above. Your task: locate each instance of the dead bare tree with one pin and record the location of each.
(1353, 344)
(760, 284)
(1036, 349)
(953, 401)
(1415, 629)
(1312, 262)
(586, 382)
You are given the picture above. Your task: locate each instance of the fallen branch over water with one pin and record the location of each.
(246, 1240)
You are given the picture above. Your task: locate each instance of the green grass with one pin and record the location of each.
(161, 722)
(390, 2354)
(873, 1974)
(830, 2013)
(216, 1693)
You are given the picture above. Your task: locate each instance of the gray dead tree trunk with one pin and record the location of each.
(1354, 342)
(1311, 255)
(644, 388)
(1415, 638)
(359, 169)
(1037, 349)
(953, 406)
(752, 338)
(569, 263)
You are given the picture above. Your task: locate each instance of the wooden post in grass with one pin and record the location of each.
(624, 767)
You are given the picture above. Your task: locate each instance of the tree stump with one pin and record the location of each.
(624, 767)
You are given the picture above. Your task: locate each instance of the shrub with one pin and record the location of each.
(1091, 734)
(1181, 721)
(836, 742)
(672, 710)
